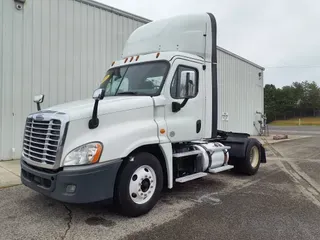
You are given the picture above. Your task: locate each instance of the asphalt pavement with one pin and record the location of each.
(282, 201)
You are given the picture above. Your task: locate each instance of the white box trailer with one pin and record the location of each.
(239, 112)
(63, 48)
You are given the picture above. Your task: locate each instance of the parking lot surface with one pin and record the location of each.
(295, 130)
(281, 202)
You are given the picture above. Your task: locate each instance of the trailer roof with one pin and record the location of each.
(145, 20)
(241, 58)
(115, 10)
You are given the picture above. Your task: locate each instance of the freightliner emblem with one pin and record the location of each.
(39, 117)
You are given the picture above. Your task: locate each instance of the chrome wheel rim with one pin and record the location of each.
(142, 184)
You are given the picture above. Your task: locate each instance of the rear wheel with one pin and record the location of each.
(251, 162)
(254, 157)
(139, 185)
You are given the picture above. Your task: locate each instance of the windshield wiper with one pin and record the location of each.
(127, 93)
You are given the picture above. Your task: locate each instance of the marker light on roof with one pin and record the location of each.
(113, 63)
(125, 60)
(157, 55)
(131, 59)
(137, 58)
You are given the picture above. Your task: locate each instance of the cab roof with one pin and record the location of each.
(184, 33)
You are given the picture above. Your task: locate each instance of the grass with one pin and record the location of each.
(307, 121)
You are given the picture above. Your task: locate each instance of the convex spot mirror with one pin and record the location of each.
(187, 84)
(38, 98)
(98, 94)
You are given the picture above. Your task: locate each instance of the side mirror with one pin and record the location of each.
(38, 99)
(98, 94)
(186, 88)
(187, 84)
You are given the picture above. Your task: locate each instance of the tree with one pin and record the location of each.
(301, 97)
(270, 101)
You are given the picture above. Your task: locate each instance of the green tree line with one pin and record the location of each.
(301, 99)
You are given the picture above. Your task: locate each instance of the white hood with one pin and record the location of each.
(83, 108)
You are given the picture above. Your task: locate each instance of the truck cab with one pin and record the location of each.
(151, 124)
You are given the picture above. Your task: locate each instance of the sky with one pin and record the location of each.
(283, 36)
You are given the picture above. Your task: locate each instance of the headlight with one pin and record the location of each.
(85, 154)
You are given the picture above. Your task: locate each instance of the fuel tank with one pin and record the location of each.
(212, 155)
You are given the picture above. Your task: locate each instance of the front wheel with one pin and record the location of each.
(139, 184)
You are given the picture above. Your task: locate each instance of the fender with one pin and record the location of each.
(239, 144)
(166, 149)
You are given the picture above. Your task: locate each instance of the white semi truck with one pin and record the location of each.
(152, 123)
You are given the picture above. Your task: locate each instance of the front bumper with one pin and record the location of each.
(92, 183)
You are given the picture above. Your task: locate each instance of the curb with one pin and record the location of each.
(9, 186)
(266, 143)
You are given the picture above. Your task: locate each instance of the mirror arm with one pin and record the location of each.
(38, 100)
(94, 121)
(38, 106)
(184, 102)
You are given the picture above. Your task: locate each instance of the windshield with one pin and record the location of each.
(138, 79)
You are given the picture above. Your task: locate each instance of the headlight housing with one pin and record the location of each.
(85, 154)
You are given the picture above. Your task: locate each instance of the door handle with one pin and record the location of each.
(198, 126)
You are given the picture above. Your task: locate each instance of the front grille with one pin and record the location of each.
(41, 140)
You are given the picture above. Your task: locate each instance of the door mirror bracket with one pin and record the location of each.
(176, 107)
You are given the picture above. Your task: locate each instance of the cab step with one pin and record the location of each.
(221, 169)
(191, 177)
(184, 154)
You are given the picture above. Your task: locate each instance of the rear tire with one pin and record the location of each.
(139, 185)
(251, 162)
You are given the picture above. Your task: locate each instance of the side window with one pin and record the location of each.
(185, 82)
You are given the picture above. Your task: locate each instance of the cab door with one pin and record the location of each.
(184, 116)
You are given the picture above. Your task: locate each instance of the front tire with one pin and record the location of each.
(139, 185)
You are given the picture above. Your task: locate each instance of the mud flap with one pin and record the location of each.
(263, 154)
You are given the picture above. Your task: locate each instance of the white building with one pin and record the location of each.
(63, 49)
